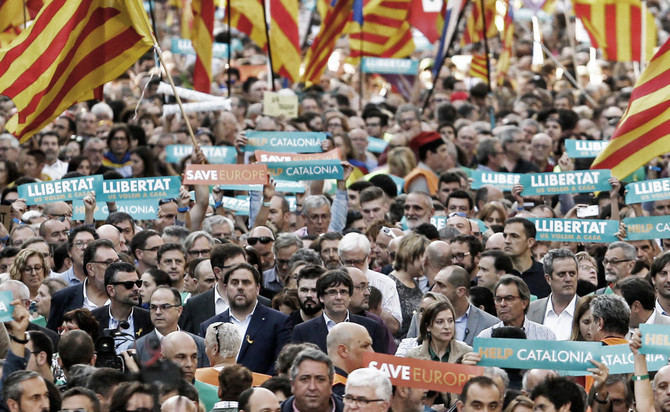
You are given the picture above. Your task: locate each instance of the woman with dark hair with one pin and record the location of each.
(80, 318)
(143, 162)
(151, 279)
(118, 156)
(132, 396)
(80, 164)
(8, 173)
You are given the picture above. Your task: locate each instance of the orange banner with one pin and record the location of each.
(422, 374)
(273, 157)
(225, 174)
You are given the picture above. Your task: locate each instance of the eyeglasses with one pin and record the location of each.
(508, 299)
(37, 269)
(281, 262)
(460, 256)
(348, 399)
(614, 262)
(165, 201)
(318, 217)
(363, 288)
(353, 262)
(128, 284)
(201, 252)
(163, 307)
(332, 293)
(263, 239)
(106, 262)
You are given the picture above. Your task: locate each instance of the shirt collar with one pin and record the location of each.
(248, 316)
(327, 319)
(217, 295)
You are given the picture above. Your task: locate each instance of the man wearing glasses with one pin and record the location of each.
(91, 293)
(164, 310)
(618, 263)
(77, 241)
(368, 390)
(123, 288)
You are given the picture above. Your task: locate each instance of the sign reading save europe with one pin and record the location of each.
(58, 190)
(285, 142)
(225, 174)
(565, 182)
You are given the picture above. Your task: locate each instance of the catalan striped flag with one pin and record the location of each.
(617, 28)
(644, 130)
(285, 38)
(247, 17)
(478, 67)
(332, 27)
(202, 38)
(425, 18)
(507, 44)
(474, 25)
(13, 15)
(382, 30)
(71, 48)
(447, 25)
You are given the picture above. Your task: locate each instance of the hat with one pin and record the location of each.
(423, 138)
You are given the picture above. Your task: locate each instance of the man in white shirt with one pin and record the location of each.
(54, 167)
(640, 297)
(557, 310)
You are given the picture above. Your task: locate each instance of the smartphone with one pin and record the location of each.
(588, 211)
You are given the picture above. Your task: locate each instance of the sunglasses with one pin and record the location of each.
(263, 239)
(165, 201)
(128, 284)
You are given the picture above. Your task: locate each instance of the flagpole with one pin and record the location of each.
(267, 37)
(360, 71)
(230, 47)
(486, 47)
(446, 51)
(571, 34)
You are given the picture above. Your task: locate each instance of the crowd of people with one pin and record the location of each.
(204, 308)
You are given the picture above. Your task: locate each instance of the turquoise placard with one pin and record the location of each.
(655, 339)
(503, 181)
(58, 190)
(619, 359)
(283, 186)
(565, 182)
(219, 50)
(576, 230)
(285, 142)
(214, 154)
(138, 188)
(536, 354)
(306, 170)
(6, 308)
(578, 149)
(292, 203)
(438, 221)
(376, 145)
(139, 209)
(389, 66)
(239, 206)
(647, 227)
(647, 191)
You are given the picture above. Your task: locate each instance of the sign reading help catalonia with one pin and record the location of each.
(285, 142)
(423, 374)
(619, 359)
(565, 182)
(136, 189)
(503, 181)
(58, 190)
(647, 227)
(584, 148)
(306, 170)
(655, 339)
(576, 230)
(647, 191)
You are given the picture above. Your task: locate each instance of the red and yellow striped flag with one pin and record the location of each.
(285, 38)
(71, 48)
(478, 67)
(474, 25)
(202, 38)
(644, 130)
(12, 15)
(332, 28)
(616, 27)
(385, 31)
(507, 44)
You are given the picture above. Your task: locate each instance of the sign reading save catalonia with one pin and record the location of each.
(565, 182)
(58, 190)
(647, 227)
(285, 142)
(648, 191)
(576, 230)
(138, 188)
(503, 181)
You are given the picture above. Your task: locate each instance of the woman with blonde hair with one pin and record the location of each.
(401, 161)
(31, 268)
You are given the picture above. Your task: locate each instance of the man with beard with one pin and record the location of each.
(123, 288)
(54, 167)
(618, 263)
(465, 251)
(310, 307)
(326, 246)
(264, 330)
(659, 274)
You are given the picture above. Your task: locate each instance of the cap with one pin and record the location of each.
(422, 139)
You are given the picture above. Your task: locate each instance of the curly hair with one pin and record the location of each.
(21, 260)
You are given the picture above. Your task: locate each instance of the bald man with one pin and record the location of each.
(179, 404)
(346, 344)
(180, 348)
(112, 233)
(436, 257)
(258, 400)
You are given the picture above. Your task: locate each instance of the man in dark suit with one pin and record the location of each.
(454, 283)
(123, 314)
(165, 308)
(334, 290)
(264, 331)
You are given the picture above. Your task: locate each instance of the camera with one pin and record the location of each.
(105, 349)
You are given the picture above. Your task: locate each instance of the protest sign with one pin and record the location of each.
(503, 181)
(6, 309)
(225, 174)
(219, 50)
(647, 191)
(578, 149)
(285, 142)
(214, 154)
(138, 188)
(647, 227)
(139, 209)
(6, 216)
(268, 157)
(58, 190)
(565, 182)
(536, 354)
(376, 145)
(306, 170)
(575, 230)
(389, 66)
(655, 339)
(283, 186)
(423, 374)
(275, 105)
(619, 359)
(239, 206)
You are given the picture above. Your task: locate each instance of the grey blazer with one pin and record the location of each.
(147, 345)
(538, 308)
